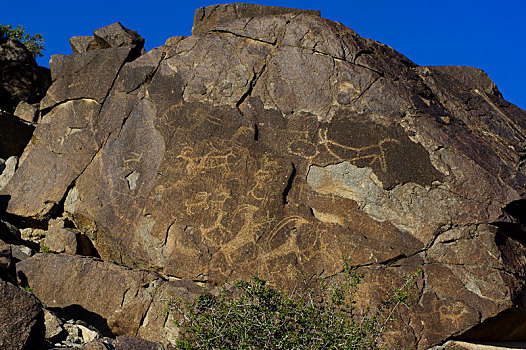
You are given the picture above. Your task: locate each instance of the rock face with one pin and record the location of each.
(114, 299)
(21, 318)
(276, 142)
(208, 18)
(114, 35)
(21, 78)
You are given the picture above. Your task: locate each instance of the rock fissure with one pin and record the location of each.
(367, 51)
(143, 317)
(150, 76)
(368, 87)
(289, 184)
(273, 43)
(250, 88)
(46, 110)
(123, 63)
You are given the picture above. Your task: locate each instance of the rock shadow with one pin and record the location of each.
(77, 312)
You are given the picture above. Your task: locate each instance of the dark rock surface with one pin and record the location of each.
(15, 134)
(276, 142)
(21, 79)
(21, 318)
(85, 43)
(7, 264)
(113, 36)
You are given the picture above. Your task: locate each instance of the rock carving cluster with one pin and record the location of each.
(273, 142)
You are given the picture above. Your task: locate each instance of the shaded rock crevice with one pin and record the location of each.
(219, 31)
(289, 184)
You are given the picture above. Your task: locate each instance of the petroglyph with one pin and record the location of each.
(209, 202)
(262, 178)
(214, 120)
(281, 234)
(136, 157)
(374, 152)
(221, 154)
(246, 235)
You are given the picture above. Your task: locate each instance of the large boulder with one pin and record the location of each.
(277, 143)
(21, 79)
(24, 83)
(114, 299)
(112, 36)
(21, 318)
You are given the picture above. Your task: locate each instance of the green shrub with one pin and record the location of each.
(34, 43)
(252, 315)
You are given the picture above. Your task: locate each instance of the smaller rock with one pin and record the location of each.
(27, 111)
(59, 239)
(74, 333)
(81, 44)
(53, 324)
(9, 233)
(79, 333)
(133, 343)
(87, 334)
(7, 170)
(21, 78)
(15, 51)
(462, 345)
(36, 235)
(21, 252)
(116, 35)
(96, 345)
(174, 40)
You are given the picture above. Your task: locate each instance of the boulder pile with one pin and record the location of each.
(273, 142)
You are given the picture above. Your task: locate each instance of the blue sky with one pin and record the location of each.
(487, 34)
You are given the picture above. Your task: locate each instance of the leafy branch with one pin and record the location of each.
(34, 43)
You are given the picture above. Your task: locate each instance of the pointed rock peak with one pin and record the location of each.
(116, 35)
(111, 36)
(206, 18)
